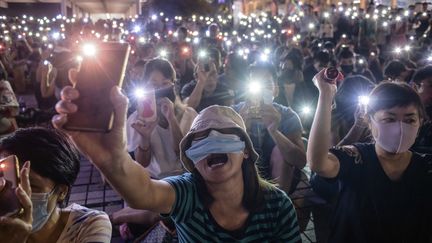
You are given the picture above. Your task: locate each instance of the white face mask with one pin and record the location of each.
(395, 137)
(40, 209)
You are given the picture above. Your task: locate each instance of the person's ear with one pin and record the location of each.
(246, 154)
(62, 191)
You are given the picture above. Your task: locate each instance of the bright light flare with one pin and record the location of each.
(255, 87)
(306, 110)
(89, 49)
(163, 53)
(139, 93)
(202, 54)
(363, 100)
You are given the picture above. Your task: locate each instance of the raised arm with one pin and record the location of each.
(107, 151)
(320, 160)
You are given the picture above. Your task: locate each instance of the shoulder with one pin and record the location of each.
(83, 214)
(289, 117)
(86, 223)
(347, 152)
(188, 88)
(285, 110)
(424, 159)
(182, 181)
(239, 106)
(276, 199)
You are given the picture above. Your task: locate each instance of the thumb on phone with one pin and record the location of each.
(120, 104)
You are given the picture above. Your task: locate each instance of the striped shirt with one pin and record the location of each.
(275, 222)
(85, 225)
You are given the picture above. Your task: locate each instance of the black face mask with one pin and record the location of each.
(347, 69)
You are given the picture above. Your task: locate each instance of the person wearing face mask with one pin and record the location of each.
(346, 61)
(385, 194)
(275, 130)
(50, 169)
(222, 199)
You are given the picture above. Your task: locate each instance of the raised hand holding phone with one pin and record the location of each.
(325, 87)
(17, 228)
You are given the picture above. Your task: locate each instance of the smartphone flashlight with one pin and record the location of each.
(46, 62)
(254, 87)
(139, 93)
(363, 100)
(372, 54)
(202, 54)
(163, 53)
(344, 36)
(89, 49)
(306, 110)
(50, 46)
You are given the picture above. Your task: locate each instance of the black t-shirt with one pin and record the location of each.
(222, 95)
(373, 208)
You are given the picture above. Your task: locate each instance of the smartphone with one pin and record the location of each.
(9, 181)
(146, 107)
(102, 67)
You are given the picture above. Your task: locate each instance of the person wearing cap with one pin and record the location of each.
(222, 199)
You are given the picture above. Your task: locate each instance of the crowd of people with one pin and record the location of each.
(244, 105)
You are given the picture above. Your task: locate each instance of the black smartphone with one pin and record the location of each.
(102, 66)
(9, 181)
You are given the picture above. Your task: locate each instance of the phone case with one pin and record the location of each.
(9, 173)
(97, 76)
(146, 107)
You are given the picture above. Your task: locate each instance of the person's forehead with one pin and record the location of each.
(410, 109)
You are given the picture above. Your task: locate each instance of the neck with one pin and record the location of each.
(49, 230)
(229, 193)
(386, 156)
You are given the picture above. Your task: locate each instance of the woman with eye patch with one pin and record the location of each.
(386, 187)
(221, 199)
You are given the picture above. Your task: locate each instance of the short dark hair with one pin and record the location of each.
(161, 65)
(422, 74)
(394, 94)
(345, 53)
(323, 57)
(264, 67)
(52, 154)
(394, 68)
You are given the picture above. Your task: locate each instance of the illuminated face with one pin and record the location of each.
(157, 80)
(212, 81)
(218, 168)
(408, 114)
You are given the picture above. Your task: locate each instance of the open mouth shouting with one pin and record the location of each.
(217, 160)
